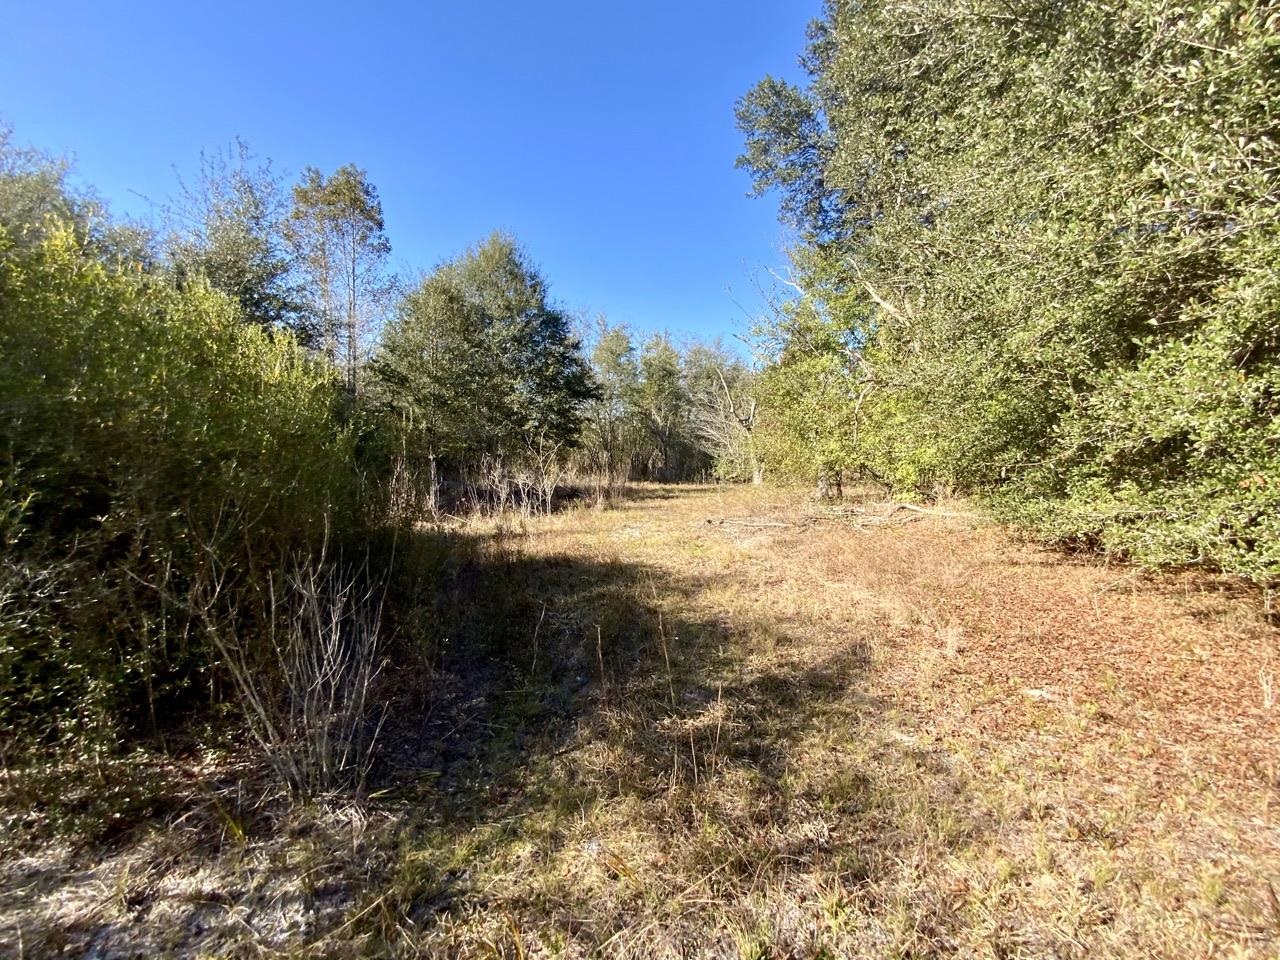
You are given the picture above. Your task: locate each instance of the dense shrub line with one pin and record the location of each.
(154, 443)
(207, 455)
(198, 426)
(1039, 263)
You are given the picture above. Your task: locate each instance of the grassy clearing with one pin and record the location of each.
(648, 735)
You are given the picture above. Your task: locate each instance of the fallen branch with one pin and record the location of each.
(884, 511)
(726, 521)
(931, 512)
(851, 516)
(847, 519)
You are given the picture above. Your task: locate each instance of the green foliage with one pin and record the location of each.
(1058, 263)
(155, 446)
(1177, 460)
(612, 432)
(667, 412)
(180, 476)
(335, 230)
(810, 390)
(231, 236)
(662, 402)
(788, 149)
(35, 195)
(478, 363)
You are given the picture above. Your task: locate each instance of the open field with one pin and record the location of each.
(787, 732)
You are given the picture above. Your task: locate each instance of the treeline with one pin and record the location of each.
(216, 433)
(497, 401)
(1037, 262)
(667, 413)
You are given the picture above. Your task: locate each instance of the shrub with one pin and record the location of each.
(151, 440)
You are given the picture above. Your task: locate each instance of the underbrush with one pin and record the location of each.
(162, 459)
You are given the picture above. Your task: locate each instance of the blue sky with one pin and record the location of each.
(600, 134)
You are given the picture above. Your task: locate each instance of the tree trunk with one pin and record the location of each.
(353, 340)
(433, 488)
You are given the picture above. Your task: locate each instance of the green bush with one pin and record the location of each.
(155, 451)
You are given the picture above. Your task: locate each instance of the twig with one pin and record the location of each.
(534, 669)
(600, 660)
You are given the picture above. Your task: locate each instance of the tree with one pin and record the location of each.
(788, 149)
(663, 404)
(1052, 282)
(724, 410)
(539, 381)
(484, 367)
(36, 200)
(229, 232)
(610, 420)
(432, 367)
(336, 229)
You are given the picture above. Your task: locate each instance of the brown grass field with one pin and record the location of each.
(725, 722)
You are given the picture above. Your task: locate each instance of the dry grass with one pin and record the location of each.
(656, 736)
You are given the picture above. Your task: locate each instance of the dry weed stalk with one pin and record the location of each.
(310, 709)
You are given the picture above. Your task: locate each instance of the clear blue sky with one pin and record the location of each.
(601, 134)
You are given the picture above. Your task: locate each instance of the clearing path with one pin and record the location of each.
(726, 723)
(861, 734)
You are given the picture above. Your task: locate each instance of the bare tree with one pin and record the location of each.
(726, 423)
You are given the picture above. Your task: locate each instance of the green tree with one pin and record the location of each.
(812, 388)
(482, 364)
(336, 230)
(789, 148)
(1055, 264)
(36, 199)
(610, 433)
(229, 231)
(433, 366)
(663, 404)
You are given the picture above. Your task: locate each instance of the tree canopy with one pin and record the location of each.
(1053, 278)
(480, 363)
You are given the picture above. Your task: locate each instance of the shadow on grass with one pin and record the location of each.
(561, 683)
(532, 698)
